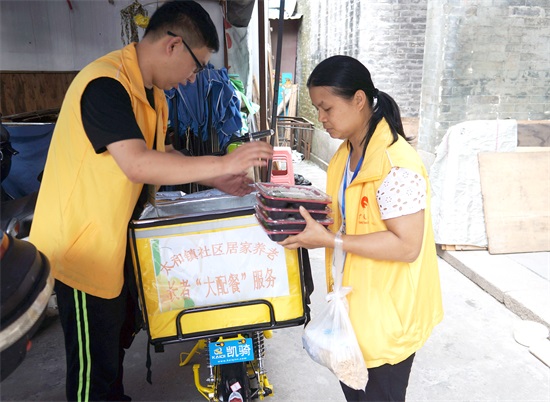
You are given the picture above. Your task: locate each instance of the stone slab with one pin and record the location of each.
(520, 289)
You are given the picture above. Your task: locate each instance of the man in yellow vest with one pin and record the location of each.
(109, 140)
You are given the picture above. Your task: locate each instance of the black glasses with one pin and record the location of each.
(200, 66)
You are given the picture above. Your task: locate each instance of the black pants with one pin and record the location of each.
(96, 332)
(386, 383)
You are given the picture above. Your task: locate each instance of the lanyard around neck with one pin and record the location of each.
(345, 184)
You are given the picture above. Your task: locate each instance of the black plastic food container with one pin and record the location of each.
(276, 195)
(290, 213)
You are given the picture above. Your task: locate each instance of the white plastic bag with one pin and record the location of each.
(329, 338)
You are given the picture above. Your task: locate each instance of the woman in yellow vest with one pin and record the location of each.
(108, 141)
(381, 208)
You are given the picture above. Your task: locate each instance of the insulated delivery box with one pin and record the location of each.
(205, 267)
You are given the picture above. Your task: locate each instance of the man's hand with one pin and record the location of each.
(143, 165)
(247, 155)
(234, 184)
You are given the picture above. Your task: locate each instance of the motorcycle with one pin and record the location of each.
(178, 275)
(25, 280)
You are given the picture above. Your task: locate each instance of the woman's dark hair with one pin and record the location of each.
(186, 18)
(345, 76)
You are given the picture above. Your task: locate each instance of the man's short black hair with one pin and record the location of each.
(186, 18)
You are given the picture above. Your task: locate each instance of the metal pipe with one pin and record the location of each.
(276, 80)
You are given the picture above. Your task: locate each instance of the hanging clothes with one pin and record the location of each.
(211, 102)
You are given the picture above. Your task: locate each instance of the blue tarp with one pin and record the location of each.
(32, 141)
(210, 97)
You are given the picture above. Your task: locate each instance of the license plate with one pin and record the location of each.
(233, 350)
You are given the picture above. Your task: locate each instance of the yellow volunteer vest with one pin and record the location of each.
(393, 305)
(85, 200)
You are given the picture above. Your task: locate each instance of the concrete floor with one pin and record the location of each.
(471, 355)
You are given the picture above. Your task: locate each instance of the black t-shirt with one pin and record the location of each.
(108, 117)
(107, 114)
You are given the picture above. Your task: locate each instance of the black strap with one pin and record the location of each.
(176, 140)
(308, 280)
(148, 364)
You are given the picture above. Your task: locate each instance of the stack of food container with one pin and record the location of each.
(277, 208)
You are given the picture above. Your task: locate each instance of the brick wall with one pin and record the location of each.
(484, 59)
(386, 35)
(443, 61)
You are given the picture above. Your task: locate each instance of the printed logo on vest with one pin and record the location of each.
(363, 216)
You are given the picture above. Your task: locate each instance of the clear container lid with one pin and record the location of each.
(322, 208)
(275, 234)
(277, 191)
(290, 220)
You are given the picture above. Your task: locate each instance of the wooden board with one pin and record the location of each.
(460, 247)
(516, 200)
(31, 91)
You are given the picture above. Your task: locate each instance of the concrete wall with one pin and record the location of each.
(41, 35)
(289, 50)
(484, 60)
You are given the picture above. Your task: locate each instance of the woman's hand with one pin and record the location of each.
(314, 235)
(402, 241)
